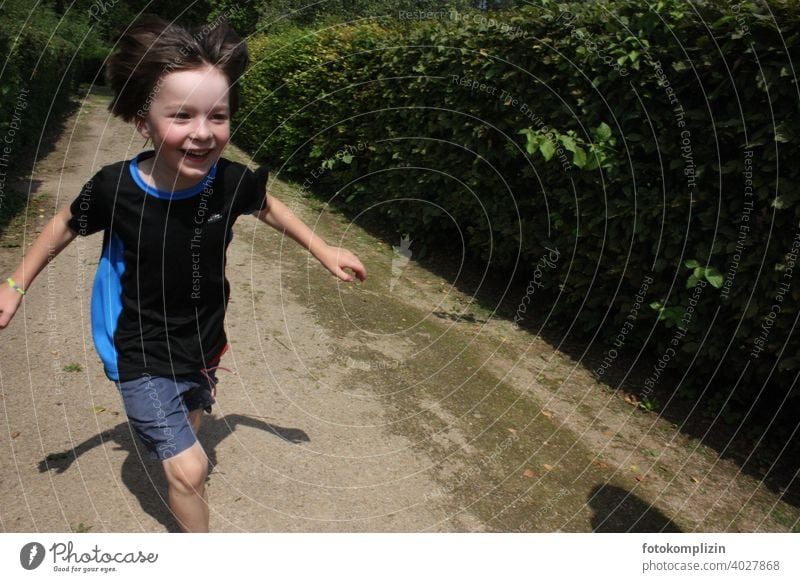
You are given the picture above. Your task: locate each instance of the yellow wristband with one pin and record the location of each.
(15, 287)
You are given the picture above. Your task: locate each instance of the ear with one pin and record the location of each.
(142, 126)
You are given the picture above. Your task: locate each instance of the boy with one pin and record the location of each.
(160, 292)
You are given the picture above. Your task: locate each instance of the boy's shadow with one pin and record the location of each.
(144, 477)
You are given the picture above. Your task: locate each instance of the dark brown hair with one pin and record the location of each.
(152, 48)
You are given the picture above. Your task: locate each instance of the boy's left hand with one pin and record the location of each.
(335, 259)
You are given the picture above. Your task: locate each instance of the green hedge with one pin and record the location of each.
(617, 134)
(45, 57)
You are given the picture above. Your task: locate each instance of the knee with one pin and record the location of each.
(187, 473)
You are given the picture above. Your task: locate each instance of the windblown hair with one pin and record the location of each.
(152, 48)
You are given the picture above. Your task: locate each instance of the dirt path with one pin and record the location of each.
(394, 405)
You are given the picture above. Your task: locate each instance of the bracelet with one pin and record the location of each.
(15, 287)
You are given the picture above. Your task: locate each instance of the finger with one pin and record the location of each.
(355, 265)
(350, 261)
(359, 270)
(343, 275)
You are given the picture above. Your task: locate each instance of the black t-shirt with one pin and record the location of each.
(160, 293)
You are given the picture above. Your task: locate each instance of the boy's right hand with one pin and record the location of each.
(55, 236)
(9, 303)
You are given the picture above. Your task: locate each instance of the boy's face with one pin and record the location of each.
(189, 123)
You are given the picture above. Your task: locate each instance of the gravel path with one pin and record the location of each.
(352, 407)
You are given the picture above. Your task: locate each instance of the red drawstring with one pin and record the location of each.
(215, 366)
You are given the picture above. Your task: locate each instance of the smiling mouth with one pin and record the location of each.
(196, 154)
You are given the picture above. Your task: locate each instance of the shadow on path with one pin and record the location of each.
(619, 511)
(144, 476)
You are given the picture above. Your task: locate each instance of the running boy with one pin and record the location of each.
(160, 292)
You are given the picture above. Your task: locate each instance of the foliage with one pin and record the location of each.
(280, 15)
(46, 56)
(630, 136)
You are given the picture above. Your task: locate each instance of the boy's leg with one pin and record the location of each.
(166, 418)
(196, 419)
(186, 474)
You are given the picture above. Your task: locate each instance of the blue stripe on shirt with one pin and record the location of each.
(107, 302)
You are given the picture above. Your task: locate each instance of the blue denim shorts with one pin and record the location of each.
(158, 410)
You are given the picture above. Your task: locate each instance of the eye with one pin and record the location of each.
(180, 115)
(221, 116)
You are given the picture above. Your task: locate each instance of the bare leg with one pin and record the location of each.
(186, 474)
(196, 419)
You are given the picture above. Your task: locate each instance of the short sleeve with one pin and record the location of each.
(257, 198)
(89, 214)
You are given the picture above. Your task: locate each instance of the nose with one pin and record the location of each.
(201, 130)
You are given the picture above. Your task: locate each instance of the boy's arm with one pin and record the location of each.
(53, 239)
(335, 259)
